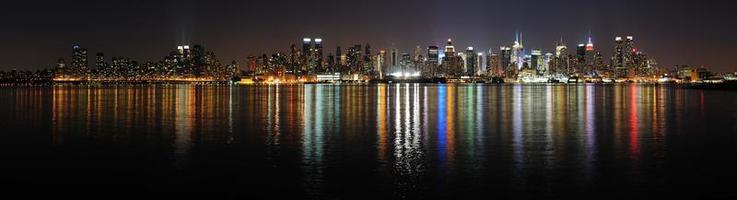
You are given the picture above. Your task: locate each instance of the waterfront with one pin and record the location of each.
(371, 141)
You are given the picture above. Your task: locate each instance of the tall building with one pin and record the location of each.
(367, 62)
(198, 61)
(452, 62)
(623, 59)
(100, 63)
(433, 55)
(340, 60)
(560, 49)
(589, 57)
(580, 58)
(479, 67)
(449, 49)
(547, 59)
(536, 59)
(505, 61)
(433, 60)
(394, 60)
(471, 63)
(494, 68)
(307, 57)
(318, 58)
(406, 63)
(355, 60)
(295, 60)
(79, 60)
(379, 64)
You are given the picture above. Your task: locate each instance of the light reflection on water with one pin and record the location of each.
(399, 140)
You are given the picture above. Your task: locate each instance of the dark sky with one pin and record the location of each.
(35, 33)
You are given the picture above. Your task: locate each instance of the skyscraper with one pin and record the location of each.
(307, 57)
(318, 56)
(394, 60)
(100, 61)
(433, 60)
(379, 64)
(471, 59)
(623, 58)
(536, 59)
(367, 63)
(589, 57)
(433, 55)
(560, 49)
(495, 69)
(505, 55)
(580, 58)
(79, 61)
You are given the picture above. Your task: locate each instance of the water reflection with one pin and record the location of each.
(409, 139)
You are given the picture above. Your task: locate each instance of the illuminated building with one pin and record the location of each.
(536, 59)
(367, 62)
(394, 60)
(505, 61)
(308, 56)
(547, 59)
(623, 58)
(471, 63)
(379, 63)
(318, 57)
(79, 61)
(589, 58)
(433, 55)
(494, 66)
(100, 63)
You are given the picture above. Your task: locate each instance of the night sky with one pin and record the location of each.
(35, 33)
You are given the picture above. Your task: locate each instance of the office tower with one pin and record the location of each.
(307, 57)
(545, 68)
(355, 59)
(198, 60)
(453, 62)
(330, 63)
(394, 60)
(471, 60)
(535, 59)
(417, 57)
(405, 63)
(589, 57)
(252, 64)
(295, 60)
(379, 63)
(100, 61)
(505, 55)
(449, 49)
(433, 60)
(580, 58)
(79, 61)
(479, 67)
(318, 56)
(560, 49)
(367, 62)
(433, 55)
(340, 60)
(623, 59)
(494, 66)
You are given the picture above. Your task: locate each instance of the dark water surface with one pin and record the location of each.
(407, 141)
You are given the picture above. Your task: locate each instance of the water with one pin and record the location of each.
(406, 141)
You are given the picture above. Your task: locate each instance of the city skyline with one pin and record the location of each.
(695, 37)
